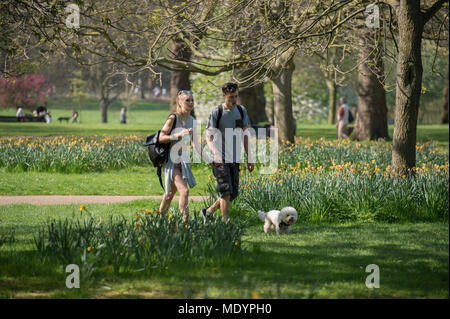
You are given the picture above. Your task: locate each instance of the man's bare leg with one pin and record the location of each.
(214, 206)
(224, 205)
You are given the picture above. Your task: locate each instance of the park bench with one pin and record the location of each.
(8, 119)
(26, 118)
(60, 119)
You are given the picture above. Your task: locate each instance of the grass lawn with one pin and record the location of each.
(315, 261)
(145, 117)
(437, 133)
(130, 181)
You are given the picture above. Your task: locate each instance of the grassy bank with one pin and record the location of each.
(316, 261)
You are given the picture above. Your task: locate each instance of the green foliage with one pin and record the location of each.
(79, 86)
(313, 87)
(207, 93)
(8, 238)
(342, 182)
(433, 82)
(72, 154)
(147, 242)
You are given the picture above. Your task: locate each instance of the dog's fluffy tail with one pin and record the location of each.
(262, 215)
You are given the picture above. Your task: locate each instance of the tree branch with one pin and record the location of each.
(431, 11)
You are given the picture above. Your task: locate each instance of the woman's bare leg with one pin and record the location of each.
(184, 193)
(167, 199)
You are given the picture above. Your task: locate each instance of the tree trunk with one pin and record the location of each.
(254, 100)
(270, 112)
(372, 111)
(408, 86)
(104, 109)
(282, 98)
(179, 80)
(444, 117)
(332, 93)
(143, 82)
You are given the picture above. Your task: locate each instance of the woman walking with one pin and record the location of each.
(177, 171)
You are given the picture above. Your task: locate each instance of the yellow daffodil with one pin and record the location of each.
(255, 295)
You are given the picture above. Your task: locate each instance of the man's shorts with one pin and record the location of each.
(227, 177)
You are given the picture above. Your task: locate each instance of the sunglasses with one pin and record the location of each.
(232, 86)
(229, 87)
(185, 92)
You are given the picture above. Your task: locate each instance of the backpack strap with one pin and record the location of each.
(159, 168)
(240, 111)
(174, 121)
(219, 116)
(158, 172)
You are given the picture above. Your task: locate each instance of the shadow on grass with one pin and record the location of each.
(315, 261)
(297, 270)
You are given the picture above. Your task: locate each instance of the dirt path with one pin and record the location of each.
(79, 199)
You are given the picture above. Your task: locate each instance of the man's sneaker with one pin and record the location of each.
(205, 214)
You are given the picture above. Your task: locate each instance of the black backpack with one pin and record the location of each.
(350, 117)
(159, 152)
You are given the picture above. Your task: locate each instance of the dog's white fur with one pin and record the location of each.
(280, 220)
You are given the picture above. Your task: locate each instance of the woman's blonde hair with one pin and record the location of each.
(180, 93)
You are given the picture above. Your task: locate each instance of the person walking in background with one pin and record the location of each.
(156, 91)
(19, 114)
(48, 118)
(123, 115)
(342, 119)
(74, 116)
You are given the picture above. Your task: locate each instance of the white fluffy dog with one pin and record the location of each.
(281, 220)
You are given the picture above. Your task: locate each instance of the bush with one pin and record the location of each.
(26, 91)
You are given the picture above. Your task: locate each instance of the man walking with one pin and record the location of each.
(224, 142)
